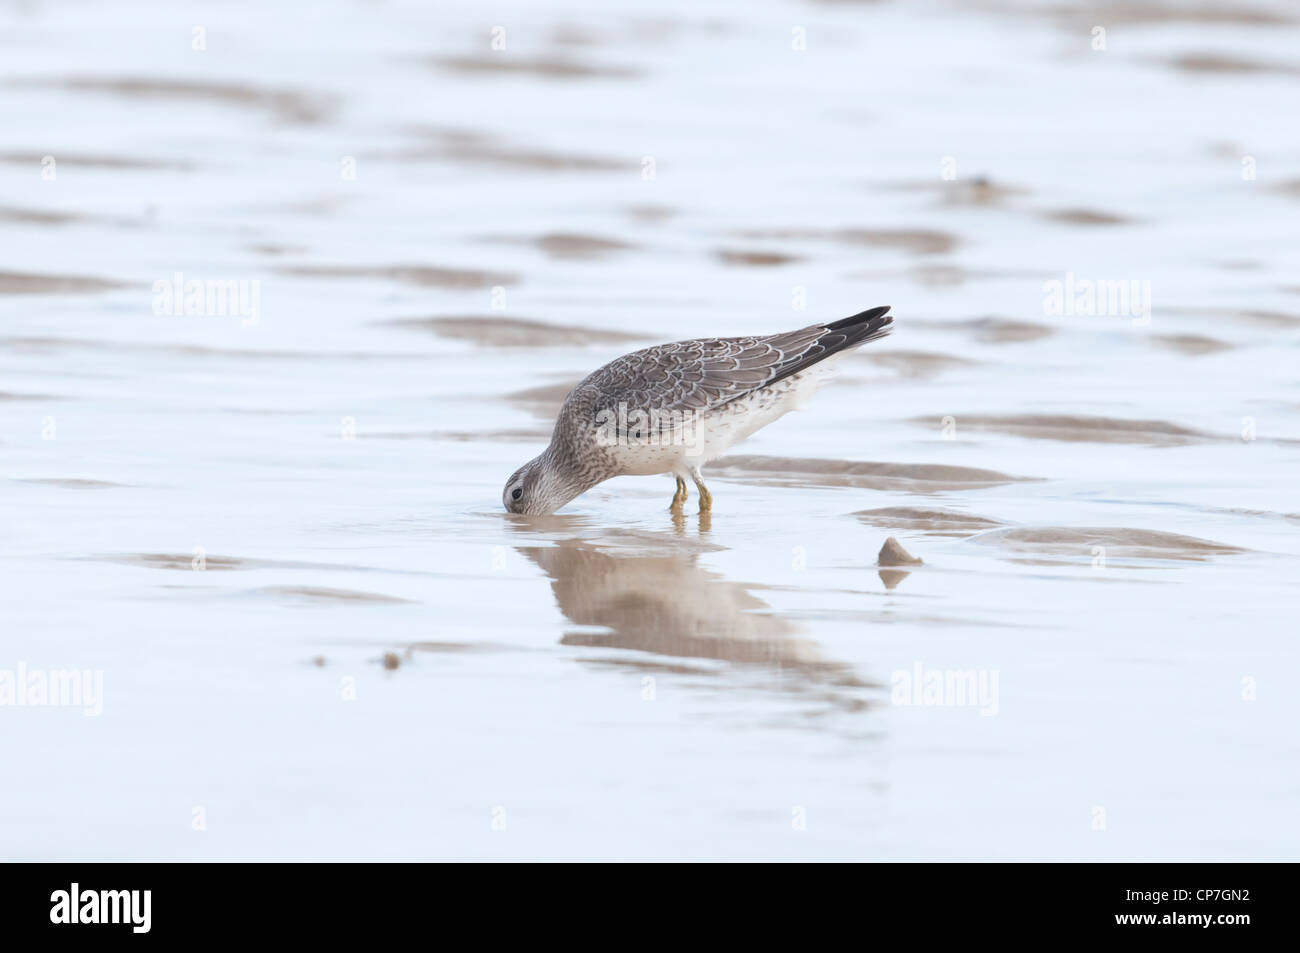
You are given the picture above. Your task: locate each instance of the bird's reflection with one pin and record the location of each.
(649, 592)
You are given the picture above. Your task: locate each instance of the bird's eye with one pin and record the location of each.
(517, 493)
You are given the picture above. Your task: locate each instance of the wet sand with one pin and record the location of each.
(935, 522)
(17, 283)
(1080, 429)
(920, 478)
(1108, 541)
(289, 106)
(280, 536)
(915, 241)
(495, 331)
(423, 276)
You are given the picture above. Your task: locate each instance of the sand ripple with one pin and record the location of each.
(12, 282)
(325, 596)
(1075, 428)
(1118, 543)
(918, 241)
(422, 276)
(917, 477)
(495, 331)
(933, 521)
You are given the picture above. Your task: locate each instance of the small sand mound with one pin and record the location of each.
(893, 554)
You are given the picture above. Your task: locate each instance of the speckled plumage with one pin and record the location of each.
(673, 407)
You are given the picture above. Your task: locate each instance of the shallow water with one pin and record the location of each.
(278, 536)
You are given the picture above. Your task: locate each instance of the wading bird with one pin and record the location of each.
(674, 407)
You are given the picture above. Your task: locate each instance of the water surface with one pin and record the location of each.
(278, 535)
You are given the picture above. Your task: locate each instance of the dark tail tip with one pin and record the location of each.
(863, 317)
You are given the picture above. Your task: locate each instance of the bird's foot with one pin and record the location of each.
(706, 498)
(679, 498)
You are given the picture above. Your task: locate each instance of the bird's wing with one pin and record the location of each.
(704, 374)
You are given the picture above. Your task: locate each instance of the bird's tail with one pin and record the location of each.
(822, 341)
(870, 325)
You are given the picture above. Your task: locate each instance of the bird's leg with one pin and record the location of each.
(679, 498)
(706, 498)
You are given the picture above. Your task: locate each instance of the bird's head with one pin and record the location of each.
(538, 488)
